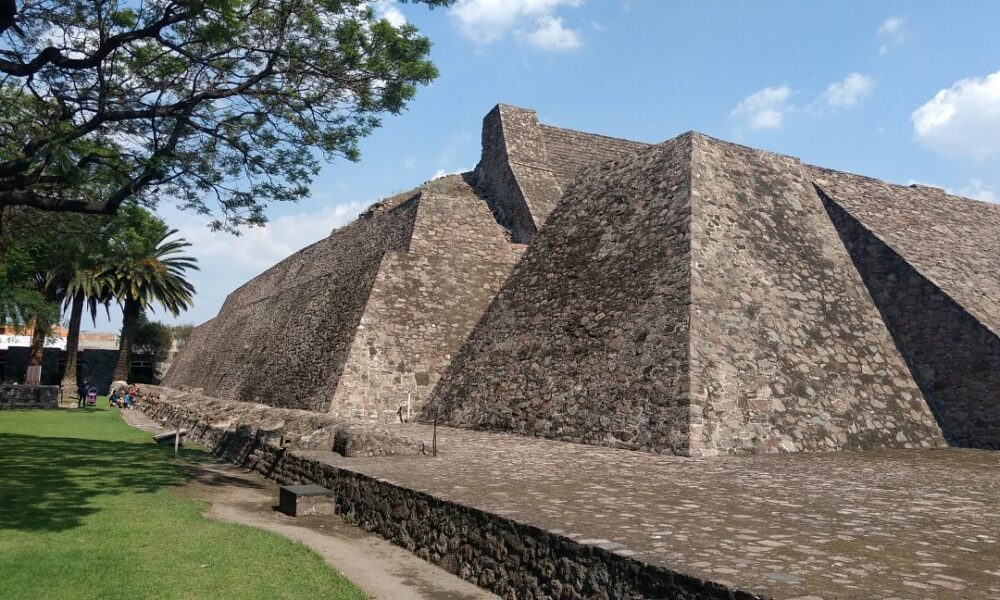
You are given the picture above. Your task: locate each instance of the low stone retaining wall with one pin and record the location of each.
(513, 560)
(220, 420)
(29, 396)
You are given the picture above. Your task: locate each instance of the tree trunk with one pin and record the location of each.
(130, 318)
(37, 349)
(73, 342)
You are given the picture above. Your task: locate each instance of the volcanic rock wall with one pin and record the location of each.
(696, 297)
(367, 320)
(359, 322)
(568, 151)
(525, 165)
(588, 339)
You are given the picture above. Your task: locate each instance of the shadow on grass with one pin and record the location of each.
(51, 483)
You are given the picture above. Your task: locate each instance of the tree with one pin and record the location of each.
(89, 287)
(231, 100)
(40, 253)
(151, 269)
(152, 338)
(24, 256)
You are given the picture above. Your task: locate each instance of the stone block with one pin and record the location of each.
(29, 396)
(306, 500)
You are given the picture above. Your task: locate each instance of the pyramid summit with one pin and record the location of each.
(694, 297)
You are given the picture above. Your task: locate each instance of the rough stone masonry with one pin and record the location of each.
(694, 297)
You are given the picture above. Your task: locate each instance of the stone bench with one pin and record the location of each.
(168, 437)
(302, 500)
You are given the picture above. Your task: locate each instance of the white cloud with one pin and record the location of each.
(764, 109)
(389, 11)
(551, 34)
(962, 121)
(848, 92)
(977, 190)
(534, 21)
(892, 30)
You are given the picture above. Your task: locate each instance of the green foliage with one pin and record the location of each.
(220, 105)
(89, 509)
(47, 257)
(147, 267)
(152, 338)
(150, 268)
(39, 252)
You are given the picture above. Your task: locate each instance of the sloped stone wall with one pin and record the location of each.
(587, 341)
(425, 301)
(283, 338)
(953, 356)
(788, 351)
(693, 298)
(568, 151)
(525, 165)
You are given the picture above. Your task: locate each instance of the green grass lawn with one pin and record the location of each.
(87, 511)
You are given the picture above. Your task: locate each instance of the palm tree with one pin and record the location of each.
(151, 271)
(90, 288)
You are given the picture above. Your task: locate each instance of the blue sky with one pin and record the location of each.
(902, 91)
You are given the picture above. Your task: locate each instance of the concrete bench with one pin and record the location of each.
(302, 500)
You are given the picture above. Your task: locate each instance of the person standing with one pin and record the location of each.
(82, 392)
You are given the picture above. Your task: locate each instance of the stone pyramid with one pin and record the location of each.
(701, 297)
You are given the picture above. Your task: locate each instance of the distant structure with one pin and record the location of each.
(97, 355)
(694, 297)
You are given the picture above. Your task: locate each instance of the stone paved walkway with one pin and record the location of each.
(896, 524)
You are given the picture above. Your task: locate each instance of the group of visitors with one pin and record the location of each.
(120, 397)
(125, 400)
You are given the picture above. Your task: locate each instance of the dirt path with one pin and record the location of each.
(382, 570)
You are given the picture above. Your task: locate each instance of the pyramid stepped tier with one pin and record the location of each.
(424, 301)
(367, 320)
(789, 352)
(588, 340)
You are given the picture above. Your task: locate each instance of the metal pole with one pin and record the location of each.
(177, 439)
(434, 439)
